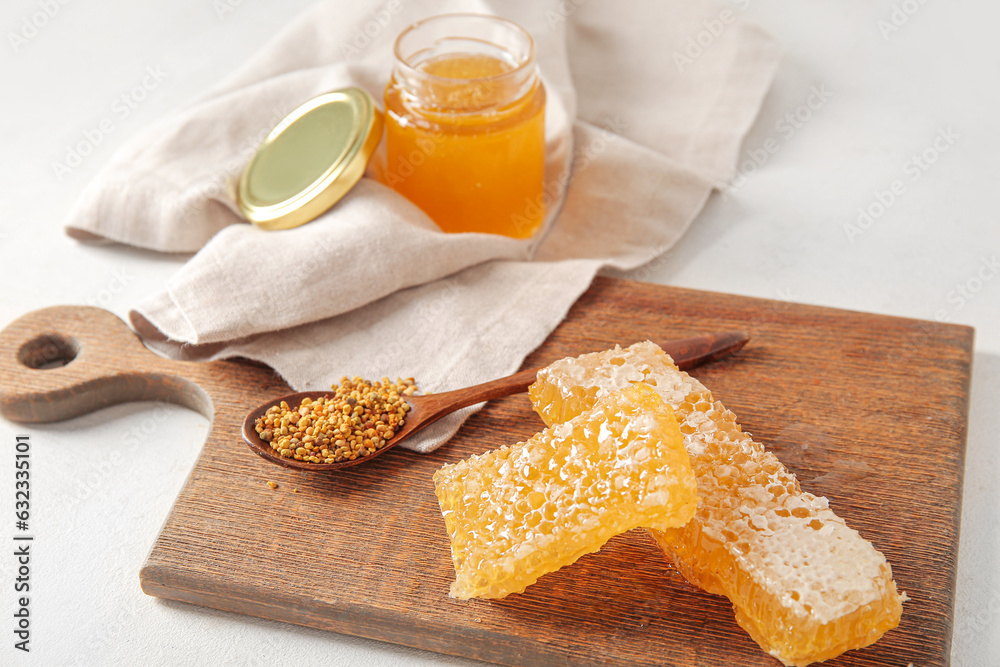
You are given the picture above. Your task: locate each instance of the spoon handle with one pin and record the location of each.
(697, 350)
(438, 405)
(686, 353)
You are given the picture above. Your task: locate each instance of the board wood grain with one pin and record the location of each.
(868, 410)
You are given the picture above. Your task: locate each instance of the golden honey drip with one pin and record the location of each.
(516, 513)
(804, 585)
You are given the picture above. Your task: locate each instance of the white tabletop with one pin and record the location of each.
(869, 97)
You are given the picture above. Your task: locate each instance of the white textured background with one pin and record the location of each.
(98, 503)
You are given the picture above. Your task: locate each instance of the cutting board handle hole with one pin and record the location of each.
(48, 351)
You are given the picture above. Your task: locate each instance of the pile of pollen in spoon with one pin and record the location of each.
(356, 420)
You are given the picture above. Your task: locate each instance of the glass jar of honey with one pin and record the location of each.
(465, 124)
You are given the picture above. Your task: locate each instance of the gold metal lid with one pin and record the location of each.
(311, 159)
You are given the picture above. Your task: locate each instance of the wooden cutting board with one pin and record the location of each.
(868, 410)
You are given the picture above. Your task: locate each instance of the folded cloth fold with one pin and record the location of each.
(372, 287)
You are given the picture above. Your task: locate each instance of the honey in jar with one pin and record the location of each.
(465, 125)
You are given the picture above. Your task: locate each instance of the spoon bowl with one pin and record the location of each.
(416, 419)
(427, 409)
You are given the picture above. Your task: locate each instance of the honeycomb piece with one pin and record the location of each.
(516, 513)
(804, 585)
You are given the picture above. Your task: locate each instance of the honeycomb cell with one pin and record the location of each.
(518, 512)
(804, 585)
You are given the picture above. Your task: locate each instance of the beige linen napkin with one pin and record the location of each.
(638, 133)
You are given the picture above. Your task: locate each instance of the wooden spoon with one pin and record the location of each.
(425, 410)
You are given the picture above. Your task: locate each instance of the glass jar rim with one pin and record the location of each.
(528, 61)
